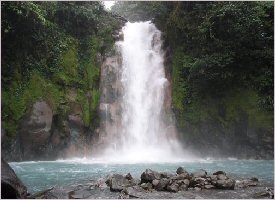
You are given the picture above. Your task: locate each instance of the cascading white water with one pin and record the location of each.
(143, 137)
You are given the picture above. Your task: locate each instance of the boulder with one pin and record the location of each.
(222, 177)
(129, 176)
(179, 182)
(209, 187)
(117, 183)
(183, 187)
(219, 172)
(213, 177)
(155, 182)
(201, 173)
(101, 183)
(35, 130)
(165, 175)
(254, 179)
(173, 188)
(181, 176)
(225, 184)
(186, 182)
(199, 181)
(149, 175)
(181, 170)
(162, 184)
(11, 185)
(146, 186)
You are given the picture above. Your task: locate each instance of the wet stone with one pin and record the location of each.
(186, 181)
(181, 170)
(155, 182)
(209, 187)
(173, 188)
(129, 176)
(222, 177)
(201, 173)
(149, 175)
(254, 179)
(162, 184)
(146, 186)
(219, 172)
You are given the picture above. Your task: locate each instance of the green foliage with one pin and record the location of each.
(246, 101)
(218, 48)
(13, 107)
(40, 88)
(68, 65)
(84, 15)
(49, 48)
(83, 100)
(138, 11)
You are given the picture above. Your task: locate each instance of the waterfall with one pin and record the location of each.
(143, 136)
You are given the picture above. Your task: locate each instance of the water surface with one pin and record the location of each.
(44, 174)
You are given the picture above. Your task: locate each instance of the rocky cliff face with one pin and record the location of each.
(239, 140)
(109, 108)
(42, 135)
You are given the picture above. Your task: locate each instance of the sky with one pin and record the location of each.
(108, 4)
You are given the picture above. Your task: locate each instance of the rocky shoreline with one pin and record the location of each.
(163, 185)
(151, 185)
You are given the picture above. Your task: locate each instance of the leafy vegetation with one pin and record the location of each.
(48, 48)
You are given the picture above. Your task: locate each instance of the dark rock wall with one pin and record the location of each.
(42, 135)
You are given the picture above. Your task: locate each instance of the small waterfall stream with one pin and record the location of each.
(144, 136)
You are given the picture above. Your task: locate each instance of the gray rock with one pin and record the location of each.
(197, 188)
(35, 130)
(201, 173)
(179, 182)
(213, 177)
(129, 176)
(162, 184)
(254, 179)
(173, 188)
(165, 175)
(149, 175)
(146, 186)
(155, 182)
(101, 183)
(181, 176)
(200, 180)
(209, 187)
(11, 185)
(181, 170)
(222, 177)
(183, 187)
(219, 172)
(226, 184)
(118, 183)
(186, 182)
